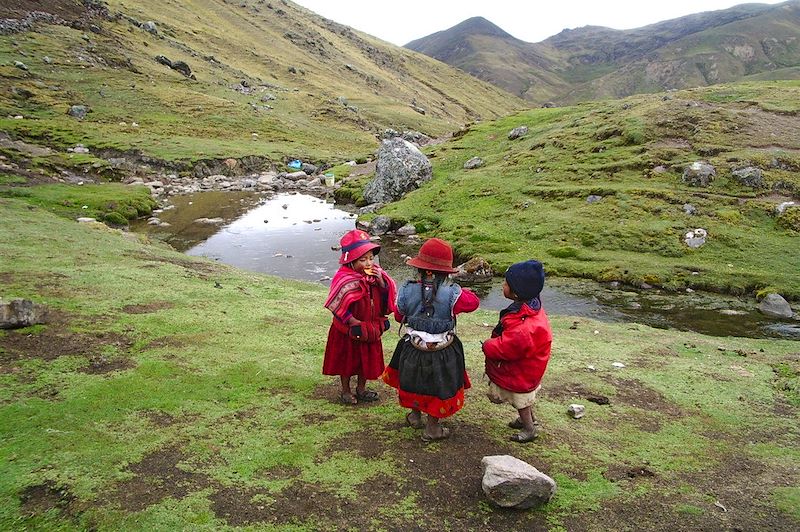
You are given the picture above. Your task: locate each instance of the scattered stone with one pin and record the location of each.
(618, 365)
(78, 111)
(518, 132)
(593, 198)
(689, 209)
(407, 230)
(511, 483)
(150, 27)
(86, 220)
(474, 270)
(695, 238)
(309, 168)
(20, 65)
(209, 221)
(775, 305)
(475, 162)
(380, 225)
(781, 208)
(749, 176)
(19, 313)
(576, 411)
(699, 174)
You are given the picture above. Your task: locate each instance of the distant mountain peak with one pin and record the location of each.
(479, 26)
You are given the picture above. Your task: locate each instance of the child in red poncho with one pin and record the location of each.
(360, 298)
(519, 349)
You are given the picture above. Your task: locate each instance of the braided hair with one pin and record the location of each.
(431, 281)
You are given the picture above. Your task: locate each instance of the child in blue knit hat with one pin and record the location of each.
(519, 349)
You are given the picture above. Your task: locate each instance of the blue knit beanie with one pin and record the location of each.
(526, 279)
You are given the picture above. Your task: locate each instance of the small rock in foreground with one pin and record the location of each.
(511, 483)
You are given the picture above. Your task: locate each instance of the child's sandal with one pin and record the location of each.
(367, 396)
(348, 399)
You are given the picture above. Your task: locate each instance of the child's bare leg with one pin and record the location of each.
(528, 431)
(361, 385)
(347, 394)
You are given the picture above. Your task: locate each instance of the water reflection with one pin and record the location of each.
(296, 236)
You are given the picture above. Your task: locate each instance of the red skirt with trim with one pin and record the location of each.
(430, 381)
(346, 357)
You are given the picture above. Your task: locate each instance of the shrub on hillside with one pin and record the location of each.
(790, 219)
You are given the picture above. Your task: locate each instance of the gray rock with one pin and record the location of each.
(695, 238)
(294, 176)
(576, 411)
(511, 483)
(689, 209)
(475, 162)
(78, 111)
(21, 313)
(150, 27)
(20, 65)
(86, 220)
(781, 208)
(401, 167)
(372, 207)
(518, 132)
(749, 176)
(380, 225)
(593, 198)
(309, 168)
(183, 68)
(407, 230)
(775, 305)
(699, 174)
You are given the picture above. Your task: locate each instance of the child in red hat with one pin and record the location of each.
(428, 367)
(360, 298)
(519, 349)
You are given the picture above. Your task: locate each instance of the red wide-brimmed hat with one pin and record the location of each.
(435, 255)
(354, 244)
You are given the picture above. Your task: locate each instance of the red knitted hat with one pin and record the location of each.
(354, 244)
(435, 255)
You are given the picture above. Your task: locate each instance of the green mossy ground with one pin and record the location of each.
(171, 392)
(530, 197)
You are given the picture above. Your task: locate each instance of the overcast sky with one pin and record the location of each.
(400, 22)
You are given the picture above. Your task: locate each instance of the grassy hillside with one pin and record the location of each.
(168, 392)
(532, 196)
(315, 89)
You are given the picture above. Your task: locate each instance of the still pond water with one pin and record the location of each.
(295, 236)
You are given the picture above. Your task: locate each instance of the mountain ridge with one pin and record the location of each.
(599, 62)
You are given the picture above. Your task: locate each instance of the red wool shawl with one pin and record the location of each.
(348, 286)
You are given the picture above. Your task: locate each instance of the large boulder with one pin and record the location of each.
(21, 313)
(511, 483)
(775, 305)
(401, 167)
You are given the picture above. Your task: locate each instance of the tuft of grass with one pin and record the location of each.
(112, 202)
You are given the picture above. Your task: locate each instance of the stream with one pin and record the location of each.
(296, 236)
